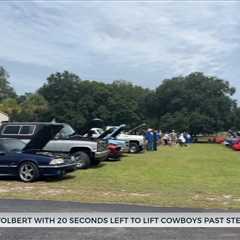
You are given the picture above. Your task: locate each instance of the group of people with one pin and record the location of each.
(152, 139)
(155, 138)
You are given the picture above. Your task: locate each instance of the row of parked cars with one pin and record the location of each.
(34, 149)
(231, 139)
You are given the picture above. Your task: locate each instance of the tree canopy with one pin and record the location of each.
(196, 103)
(76, 101)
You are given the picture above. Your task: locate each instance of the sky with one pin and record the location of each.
(142, 42)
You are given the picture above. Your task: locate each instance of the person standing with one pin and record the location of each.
(182, 140)
(166, 139)
(188, 138)
(149, 139)
(155, 140)
(173, 137)
(159, 135)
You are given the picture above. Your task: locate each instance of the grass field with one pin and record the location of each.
(202, 175)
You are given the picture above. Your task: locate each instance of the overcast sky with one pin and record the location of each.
(142, 42)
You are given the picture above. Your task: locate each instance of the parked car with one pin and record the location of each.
(29, 161)
(136, 142)
(138, 130)
(233, 138)
(115, 152)
(110, 135)
(116, 147)
(219, 139)
(94, 132)
(236, 146)
(86, 152)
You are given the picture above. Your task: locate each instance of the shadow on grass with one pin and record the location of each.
(113, 159)
(54, 179)
(40, 179)
(134, 154)
(100, 165)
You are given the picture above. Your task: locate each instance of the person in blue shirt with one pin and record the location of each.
(150, 139)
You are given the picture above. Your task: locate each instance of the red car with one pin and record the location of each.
(219, 139)
(115, 152)
(236, 145)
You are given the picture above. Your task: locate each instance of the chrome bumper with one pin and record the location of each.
(70, 165)
(102, 155)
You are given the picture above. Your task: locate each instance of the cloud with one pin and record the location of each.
(139, 41)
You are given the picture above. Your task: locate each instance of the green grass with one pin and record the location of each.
(203, 175)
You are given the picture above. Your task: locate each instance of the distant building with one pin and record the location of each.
(3, 117)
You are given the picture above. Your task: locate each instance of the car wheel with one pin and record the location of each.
(82, 159)
(61, 175)
(96, 162)
(28, 172)
(133, 148)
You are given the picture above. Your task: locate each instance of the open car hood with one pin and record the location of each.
(43, 136)
(111, 133)
(105, 133)
(143, 125)
(94, 123)
(117, 130)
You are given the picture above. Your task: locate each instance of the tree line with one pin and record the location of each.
(195, 103)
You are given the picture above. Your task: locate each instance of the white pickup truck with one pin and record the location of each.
(86, 152)
(136, 142)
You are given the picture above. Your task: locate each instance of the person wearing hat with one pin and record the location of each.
(149, 139)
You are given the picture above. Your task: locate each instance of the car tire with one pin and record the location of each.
(133, 148)
(61, 175)
(82, 159)
(28, 172)
(96, 162)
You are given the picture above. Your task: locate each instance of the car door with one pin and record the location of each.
(55, 145)
(4, 162)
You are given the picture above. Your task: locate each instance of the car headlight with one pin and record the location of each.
(57, 161)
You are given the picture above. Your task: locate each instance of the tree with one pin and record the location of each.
(126, 103)
(34, 107)
(64, 96)
(11, 107)
(6, 91)
(77, 102)
(205, 101)
(174, 121)
(196, 103)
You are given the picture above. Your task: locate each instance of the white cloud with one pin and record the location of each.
(122, 39)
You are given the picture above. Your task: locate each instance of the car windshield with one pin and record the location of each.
(66, 132)
(10, 145)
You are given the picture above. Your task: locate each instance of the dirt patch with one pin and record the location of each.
(3, 190)
(223, 199)
(41, 188)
